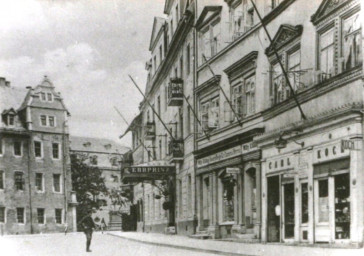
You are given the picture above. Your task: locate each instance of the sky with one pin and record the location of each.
(87, 48)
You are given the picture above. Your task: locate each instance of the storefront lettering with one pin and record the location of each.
(219, 156)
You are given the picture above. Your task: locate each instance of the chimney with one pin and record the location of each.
(7, 83)
(28, 87)
(2, 81)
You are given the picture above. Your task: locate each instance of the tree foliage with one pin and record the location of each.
(87, 182)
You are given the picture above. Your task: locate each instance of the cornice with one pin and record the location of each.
(285, 34)
(325, 116)
(212, 81)
(276, 11)
(240, 66)
(314, 92)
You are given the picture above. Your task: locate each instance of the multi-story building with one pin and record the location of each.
(265, 169)
(277, 147)
(170, 142)
(35, 178)
(108, 157)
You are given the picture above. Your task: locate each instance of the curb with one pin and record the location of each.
(182, 247)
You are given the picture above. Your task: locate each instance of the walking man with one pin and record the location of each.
(88, 225)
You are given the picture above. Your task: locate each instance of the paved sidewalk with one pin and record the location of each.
(233, 248)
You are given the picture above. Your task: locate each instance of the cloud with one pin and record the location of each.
(87, 48)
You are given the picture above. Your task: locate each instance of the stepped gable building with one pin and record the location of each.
(108, 156)
(35, 178)
(275, 151)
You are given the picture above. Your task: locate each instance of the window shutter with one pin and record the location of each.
(244, 101)
(228, 115)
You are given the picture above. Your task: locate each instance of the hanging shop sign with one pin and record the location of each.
(141, 173)
(348, 144)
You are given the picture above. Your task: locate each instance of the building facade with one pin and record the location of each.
(171, 141)
(108, 157)
(276, 148)
(35, 178)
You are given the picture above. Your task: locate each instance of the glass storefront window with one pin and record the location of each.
(342, 206)
(228, 198)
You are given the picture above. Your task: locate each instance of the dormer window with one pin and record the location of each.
(46, 96)
(49, 97)
(43, 96)
(10, 120)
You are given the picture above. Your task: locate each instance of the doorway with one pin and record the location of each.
(273, 209)
(288, 213)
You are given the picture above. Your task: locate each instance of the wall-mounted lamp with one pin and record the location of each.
(282, 142)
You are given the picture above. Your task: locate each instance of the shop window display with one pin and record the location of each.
(342, 206)
(228, 184)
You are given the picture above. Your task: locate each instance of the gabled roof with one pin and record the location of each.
(285, 34)
(208, 13)
(11, 98)
(97, 145)
(327, 7)
(157, 26)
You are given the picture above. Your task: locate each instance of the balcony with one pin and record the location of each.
(149, 133)
(175, 92)
(175, 149)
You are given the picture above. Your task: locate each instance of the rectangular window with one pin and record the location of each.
(17, 148)
(56, 182)
(51, 121)
(11, 120)
(159, 104)
(351, 42)
(2, 214)
(18, 180)
(37, 149)
(20, 217)
(181, 67)
(160, 149)
(2, 179)
(326, 51)
(188, 59)
(155, 63)
(58, 215)
(160, 54)
(55, 150)
(49, 96)
(188, 120)
(294, 66)
(1, 146)
(43, 120)
(237, 99)
(39, 182)
(304, 203)
(215, 40)
(278, 83)
(250, 95)
(43, 96)
(40, 216)
(214, 112)
(206, 45)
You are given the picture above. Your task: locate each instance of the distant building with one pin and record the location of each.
(108, 157)
(35, 179)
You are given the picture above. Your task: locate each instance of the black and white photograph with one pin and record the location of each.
(181, 127)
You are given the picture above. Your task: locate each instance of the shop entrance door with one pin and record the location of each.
(288, 211)
(273, 209)
(322, 210)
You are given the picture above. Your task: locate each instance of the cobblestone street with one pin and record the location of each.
(74, 244)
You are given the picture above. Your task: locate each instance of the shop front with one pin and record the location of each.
(228, 184)
(313, 194)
